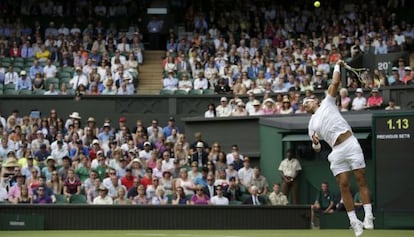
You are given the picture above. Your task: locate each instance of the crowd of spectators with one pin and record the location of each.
(291, 103)
(267, 47)
(42, 56)
(55, 159)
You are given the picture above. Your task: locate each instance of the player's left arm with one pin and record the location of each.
(336, 79)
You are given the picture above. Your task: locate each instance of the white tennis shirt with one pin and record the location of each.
(327, 122)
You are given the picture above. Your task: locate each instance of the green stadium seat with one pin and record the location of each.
(166, 92)
(208, 92)
(10, 92)
(65, 80)
(196, 92)
(235, 202)
(61, 199)
(52, 80)
(18, 60)
(38, 92)
(25, 92)
(181, 92)
(78, 199)
(18, 64)
(9, 86)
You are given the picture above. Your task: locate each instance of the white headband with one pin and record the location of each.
(307, 99)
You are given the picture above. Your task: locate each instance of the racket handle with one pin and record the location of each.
(346, 66)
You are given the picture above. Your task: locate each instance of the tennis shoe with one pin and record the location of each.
(369, 222)
(358, 228)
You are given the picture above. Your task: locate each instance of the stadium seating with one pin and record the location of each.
(78, 199)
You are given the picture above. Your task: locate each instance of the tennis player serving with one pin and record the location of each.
(346, 157)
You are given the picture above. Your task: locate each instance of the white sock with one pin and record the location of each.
(352, 216)
(368, 209)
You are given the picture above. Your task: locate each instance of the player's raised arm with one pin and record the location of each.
(336, 78)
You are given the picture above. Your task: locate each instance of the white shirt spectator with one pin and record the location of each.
(79, 79)
(216, 200)
(200, 84)
(358, 103)
(50, 71)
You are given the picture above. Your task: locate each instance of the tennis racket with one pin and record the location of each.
(359, 72)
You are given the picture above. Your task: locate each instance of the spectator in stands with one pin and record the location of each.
(392, 105)
(121, 197)
(224, 109)
(201, 82)
(43, 54)
(55, 183)
(103, 197)
(72, 185)
(259, 181)
(24, 196)
(344, 102)
(170, 82)
(78, 79)
(15, 191)
(375, 100)
(200, 198)
(233, 191)
(277, 197)
(23, 83)
(11, 77)
(359, 102)
(41, 197)
(184, 83)
(254, 198)
(245, 173)
(141, 198)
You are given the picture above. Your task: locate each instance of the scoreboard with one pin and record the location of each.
(393, 138)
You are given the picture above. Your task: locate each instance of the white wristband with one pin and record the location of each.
(337, 68)
(316, 146)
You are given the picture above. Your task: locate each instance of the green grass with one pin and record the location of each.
(208, 233)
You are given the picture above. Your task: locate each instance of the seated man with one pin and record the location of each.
(324, 202)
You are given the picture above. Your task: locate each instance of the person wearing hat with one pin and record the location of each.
(269, 106)
(78, 79)
(289, 170)
(359, 102)
(224, 109)
(257, 108)
(146, 153)
(72, 118)
(240, 110)
(167, 130)
(23, 83)
(49, 168)
(103, 198)
(200, 156)
(375, 100)
(106, 133)
(407, 75)
(125, 85)
(91, 123)
(14, 191)
(170, 82)
(346, 157)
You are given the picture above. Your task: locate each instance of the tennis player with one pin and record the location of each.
(346, 157)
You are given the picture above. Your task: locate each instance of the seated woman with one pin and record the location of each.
(200, 198)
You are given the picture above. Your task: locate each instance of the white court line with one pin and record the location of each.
(182, 235)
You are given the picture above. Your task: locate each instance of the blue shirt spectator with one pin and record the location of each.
(23, 83)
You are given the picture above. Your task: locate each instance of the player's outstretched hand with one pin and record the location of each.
(341, 63)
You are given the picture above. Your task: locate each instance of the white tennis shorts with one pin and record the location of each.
(346, 156)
